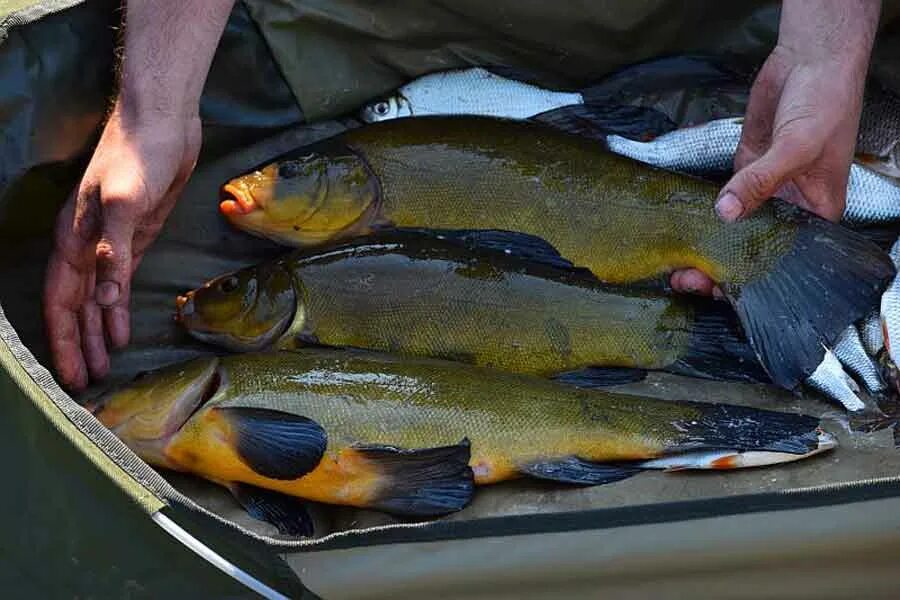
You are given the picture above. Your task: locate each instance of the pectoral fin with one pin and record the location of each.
(275, 444)
(287, 513)
(421, 483)
(572, 469)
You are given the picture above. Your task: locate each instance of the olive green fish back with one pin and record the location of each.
(491, 174)
(428, 298)
(420, 403)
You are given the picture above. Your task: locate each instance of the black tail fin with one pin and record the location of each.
(718, 348)
(830, 278)
(745, 429)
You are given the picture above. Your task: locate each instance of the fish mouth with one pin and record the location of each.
(184, 306)
(236, 202)
(179, 411)
(727, 459)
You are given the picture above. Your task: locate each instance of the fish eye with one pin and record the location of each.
(382, 108)
(228, 285)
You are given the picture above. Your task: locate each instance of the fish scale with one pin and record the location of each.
(871, 334)
(443, 311)
(468, 91)
(419, 295)
(871, 197)
(850, 351)
(795, 280)
(412, 437)
(890, 310)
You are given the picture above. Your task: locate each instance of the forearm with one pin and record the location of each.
(830, 29)
(168, 50)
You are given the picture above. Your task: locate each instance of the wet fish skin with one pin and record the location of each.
(569, 192)
(421, 295)
(709, 149)
(849, 350)
(376, 431)
(698, 150)
(879, 124)
(830, 379)
(474, 91)
(890, 311)
(871, 334)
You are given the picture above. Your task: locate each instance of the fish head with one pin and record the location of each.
(303, 201)
(150, 410)
(385, 109)
(245, 310)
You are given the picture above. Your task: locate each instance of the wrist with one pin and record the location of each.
(136, 107)
(834, 31)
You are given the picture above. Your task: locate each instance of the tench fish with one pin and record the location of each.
(412, 437)
(419, 295)
(795, 280)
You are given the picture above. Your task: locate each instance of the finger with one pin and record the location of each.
(117, 318)
(65, 282)
(93, 342)
(753, 185)
(759, 119)
(114, 248)
(61, 294)
(692, 281)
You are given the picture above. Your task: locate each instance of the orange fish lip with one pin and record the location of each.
(236, 201)
(184, 306)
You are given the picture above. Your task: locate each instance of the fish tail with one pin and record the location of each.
(718, 348)
(716, 436)
(827, 280)
(745, 429)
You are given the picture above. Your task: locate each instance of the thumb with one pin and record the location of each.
(114, 253)
(757, 182)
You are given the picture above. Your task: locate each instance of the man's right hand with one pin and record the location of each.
(131, 184)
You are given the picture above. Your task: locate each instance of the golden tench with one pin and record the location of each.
(796, 281)
(412, 437)
(418, 295)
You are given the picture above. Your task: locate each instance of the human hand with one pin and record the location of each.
(128, 189)
(800, 128)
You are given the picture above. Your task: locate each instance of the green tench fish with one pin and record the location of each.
(796, 281)
(420, 295)
(412, 437)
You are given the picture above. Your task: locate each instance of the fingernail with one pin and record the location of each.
(729, 207)
(107, 293)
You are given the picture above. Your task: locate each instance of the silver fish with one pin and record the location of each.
(879, 129)
(871, 333)
(830, 379)
(871, 197)
(850, 351)
(468, 92)
(693, 150)
(890, 311)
